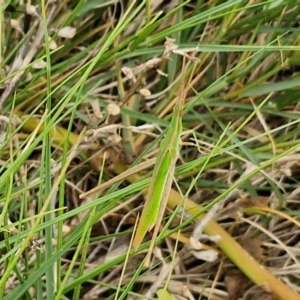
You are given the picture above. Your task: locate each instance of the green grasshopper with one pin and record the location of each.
(162, 178)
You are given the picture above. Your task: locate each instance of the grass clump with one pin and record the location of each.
(87, 89)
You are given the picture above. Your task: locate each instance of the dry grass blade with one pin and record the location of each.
(120, 177)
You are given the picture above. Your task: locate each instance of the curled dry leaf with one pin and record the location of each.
(128, 73)
(31, 10)
(52, 44)
(206, 255)
(40, 64)
(151, 63)
(67, 32)
(215, 238)
(195, 244)
(113, 109)
(145, 92)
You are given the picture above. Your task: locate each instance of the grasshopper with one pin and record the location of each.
(162, 178)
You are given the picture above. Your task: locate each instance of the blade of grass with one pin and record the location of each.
(46, 187)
